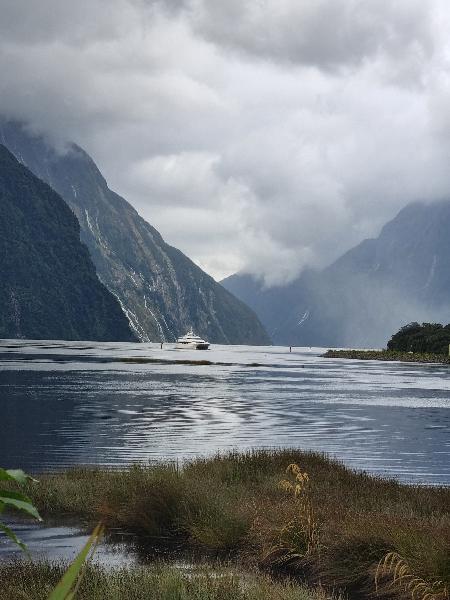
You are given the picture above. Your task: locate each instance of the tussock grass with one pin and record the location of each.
(403, 577)
(34, 581)
(325, 523)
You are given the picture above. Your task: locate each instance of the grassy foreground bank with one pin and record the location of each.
(322, 524)
(389, 355)
(34, 581)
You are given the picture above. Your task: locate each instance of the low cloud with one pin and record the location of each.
(262, 137)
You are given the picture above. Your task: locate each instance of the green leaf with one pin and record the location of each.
(12, 536)
(67, 586)
(16, 495)
(16, 475)
(18, 501)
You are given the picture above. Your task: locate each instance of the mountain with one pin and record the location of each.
(162, 292)
(48, 286)
(368, 293)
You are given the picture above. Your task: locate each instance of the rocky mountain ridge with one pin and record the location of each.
(48, 285)
(162, 292)
(378, 286)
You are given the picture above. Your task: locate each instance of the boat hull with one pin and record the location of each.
(193, 346)
(202, 346)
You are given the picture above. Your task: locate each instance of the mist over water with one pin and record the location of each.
(68, 403)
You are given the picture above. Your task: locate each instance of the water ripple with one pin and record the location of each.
(64, 403)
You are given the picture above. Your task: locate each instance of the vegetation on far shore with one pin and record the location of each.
(389, 355)
(426, 343)
(317, 522)
(432, 338)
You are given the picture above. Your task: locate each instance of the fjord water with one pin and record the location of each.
(68, 403)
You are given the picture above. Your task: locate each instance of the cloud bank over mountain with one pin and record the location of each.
(261, 136)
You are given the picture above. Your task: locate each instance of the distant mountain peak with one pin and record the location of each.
(403, 275)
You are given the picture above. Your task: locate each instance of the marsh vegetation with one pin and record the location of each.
(34, 581)
(280, 512)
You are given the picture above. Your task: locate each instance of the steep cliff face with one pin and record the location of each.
(48, 285)
(369, 292)
(161, 291)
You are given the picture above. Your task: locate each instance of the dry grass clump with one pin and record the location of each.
(215, 517)
(404, 578)
(148, 501)
(298, 538)
(34, 581)
(325, 523)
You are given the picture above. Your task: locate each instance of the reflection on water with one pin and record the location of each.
(62, 544)
(71, 403)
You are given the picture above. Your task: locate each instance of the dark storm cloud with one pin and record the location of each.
(326, 34)
(265, 135)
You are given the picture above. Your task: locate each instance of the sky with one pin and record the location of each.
(261, 136)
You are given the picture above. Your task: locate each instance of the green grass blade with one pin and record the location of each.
(20, 502)
(64, 589)
(16, 475)
(16, 495)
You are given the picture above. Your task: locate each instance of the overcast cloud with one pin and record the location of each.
(261, 136)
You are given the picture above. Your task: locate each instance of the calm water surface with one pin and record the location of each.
(66, 403)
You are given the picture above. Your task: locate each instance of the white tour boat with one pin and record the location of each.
(192, 341)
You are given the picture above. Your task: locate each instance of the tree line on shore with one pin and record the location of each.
(427, 337)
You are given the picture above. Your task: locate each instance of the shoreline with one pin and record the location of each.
(389, 356)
